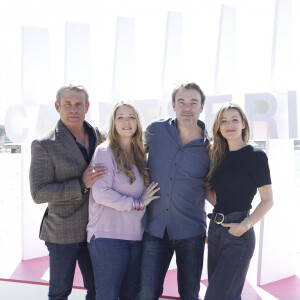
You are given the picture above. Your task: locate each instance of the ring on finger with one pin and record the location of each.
(93, 171)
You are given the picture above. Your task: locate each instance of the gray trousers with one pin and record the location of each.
(228, 259)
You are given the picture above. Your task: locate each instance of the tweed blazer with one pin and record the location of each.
(56, 166)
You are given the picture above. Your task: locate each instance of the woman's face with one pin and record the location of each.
(125, 122)
(231, 124)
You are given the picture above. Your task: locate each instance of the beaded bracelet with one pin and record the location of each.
(247, 223)
(138, 204)
(134, 204)
(142, 204)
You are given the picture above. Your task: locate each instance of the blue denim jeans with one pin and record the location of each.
(63, 259)
(116, 266)
(156, 257)
(228, 259)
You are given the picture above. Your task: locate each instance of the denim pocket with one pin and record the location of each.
(234, 236)
(247, 239)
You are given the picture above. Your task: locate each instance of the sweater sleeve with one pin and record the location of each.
(102, 191)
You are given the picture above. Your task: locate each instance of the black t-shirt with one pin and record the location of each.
(237, 178)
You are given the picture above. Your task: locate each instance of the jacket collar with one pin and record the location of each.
(65, 137)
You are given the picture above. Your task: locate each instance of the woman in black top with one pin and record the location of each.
(237, 170)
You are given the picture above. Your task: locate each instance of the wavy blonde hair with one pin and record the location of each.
(219, 147)
(124, 162)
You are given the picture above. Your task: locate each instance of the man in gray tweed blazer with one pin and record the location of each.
(61, 175)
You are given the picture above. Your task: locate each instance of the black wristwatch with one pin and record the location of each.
(84, 190)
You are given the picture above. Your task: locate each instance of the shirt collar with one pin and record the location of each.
(207, 137)
(87, 127)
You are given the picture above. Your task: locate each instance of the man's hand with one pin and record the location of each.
(92, 174)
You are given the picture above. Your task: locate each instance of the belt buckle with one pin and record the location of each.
(217, 217)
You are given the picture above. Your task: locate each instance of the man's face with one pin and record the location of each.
(72, 108)
(187, 106)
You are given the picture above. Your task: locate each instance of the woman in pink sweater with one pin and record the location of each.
(116, 205)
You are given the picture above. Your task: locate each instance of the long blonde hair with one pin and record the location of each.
(219, 147)
(138, 158)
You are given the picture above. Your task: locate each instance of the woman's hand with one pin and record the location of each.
(235, 229)
(148, 196)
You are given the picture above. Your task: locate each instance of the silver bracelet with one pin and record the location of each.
(247, 223)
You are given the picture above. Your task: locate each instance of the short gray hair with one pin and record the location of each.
(76, 88)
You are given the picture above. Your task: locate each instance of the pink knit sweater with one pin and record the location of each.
(110, 205)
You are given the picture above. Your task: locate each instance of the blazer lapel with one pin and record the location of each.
(65, 137)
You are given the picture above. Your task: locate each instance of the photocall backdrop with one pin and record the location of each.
(235, 53)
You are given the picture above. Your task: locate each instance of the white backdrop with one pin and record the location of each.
(242, 51)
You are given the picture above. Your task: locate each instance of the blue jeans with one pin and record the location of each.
(156, 258)
(116, 266)
(63, 259)
(228, 259)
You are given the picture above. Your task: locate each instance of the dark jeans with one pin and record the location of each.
(156, 257)
(116, 266)
(63, 259)
(228, 259)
